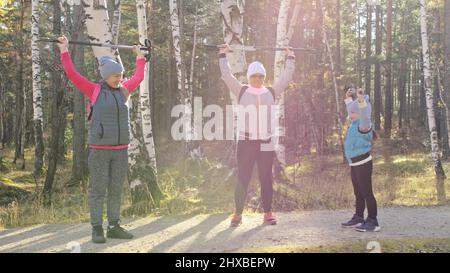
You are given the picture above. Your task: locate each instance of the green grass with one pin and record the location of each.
(422, 245)
(200, 186)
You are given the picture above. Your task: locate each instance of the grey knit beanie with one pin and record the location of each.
(109, 66)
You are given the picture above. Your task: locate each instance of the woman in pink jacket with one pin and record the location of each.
(108, 136)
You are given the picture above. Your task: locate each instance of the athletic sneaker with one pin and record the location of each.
(370, 225)
(118, 232)
(269, 219)
(98, 236)
(236, 220)
(355, 221)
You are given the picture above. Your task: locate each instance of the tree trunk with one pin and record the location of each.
(388, 94)
(281, 41)
(435, 151)
(57, 115)
(194, 47)
(184, 93)
(338, 37)
(447, 55)
(359, 54)
(232, 14)
(142, 147)
(368, 68)
(19, 129)
(79, 164)
(402, 85)
(333, 75)
(37, 91)
(98, 26)
(2, 123)
(446, 70)
(377, 79)
(115, 21)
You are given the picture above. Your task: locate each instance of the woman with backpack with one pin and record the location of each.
(358, 146)
(108, 136)
(255, 147)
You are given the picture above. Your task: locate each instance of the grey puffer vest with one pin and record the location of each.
(110, 124)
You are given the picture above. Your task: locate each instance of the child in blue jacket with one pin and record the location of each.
(357, 146)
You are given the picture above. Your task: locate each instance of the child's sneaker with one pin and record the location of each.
(370, 225)
(269, 219)
(355, 221)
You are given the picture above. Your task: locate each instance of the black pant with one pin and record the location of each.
(249, 152)
(362, 186)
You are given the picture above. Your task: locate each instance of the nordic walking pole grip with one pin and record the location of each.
(63, 44)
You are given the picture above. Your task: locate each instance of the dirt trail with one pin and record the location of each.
(211, 233)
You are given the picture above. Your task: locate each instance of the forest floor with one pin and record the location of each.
(198, 198)
(404, 229)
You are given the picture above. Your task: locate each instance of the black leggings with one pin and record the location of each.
(249, 152)
(362, 186)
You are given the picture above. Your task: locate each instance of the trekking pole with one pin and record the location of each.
(146, 47)
(258, 48)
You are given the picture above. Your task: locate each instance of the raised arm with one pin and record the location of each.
(286, 75)
(132, 83)
(365, 112)
(361, 105)
(84, 85)
(230, 80)
(348, 101)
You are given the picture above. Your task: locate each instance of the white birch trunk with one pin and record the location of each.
(435, 150)
(281, 41)
(98, 26)
(232, 13)
(185, 95)
(194, 47)
(115, 21)
(142, 173)
(37, 92)
(144, 92)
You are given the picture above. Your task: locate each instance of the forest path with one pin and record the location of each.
(211, 233)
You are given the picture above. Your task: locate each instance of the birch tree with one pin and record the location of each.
(142, 155)
(194, 48)
(98, 26)
(115, 23)
(232, 14)
(435, 150)
(37, 91)
(281, 40)
(284, 35)
(184, 92)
